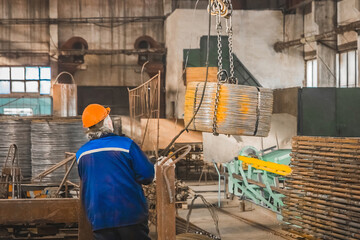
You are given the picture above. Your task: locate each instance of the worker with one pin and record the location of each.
(112, 169)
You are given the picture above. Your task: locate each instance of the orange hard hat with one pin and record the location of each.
(93, 114)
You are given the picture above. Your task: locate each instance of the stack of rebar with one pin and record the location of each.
(323, 197)
(240, 110)
(16, 132)
(50, 139)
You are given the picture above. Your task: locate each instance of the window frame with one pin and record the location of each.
(25, 93)
(338, 69)
(313, 73)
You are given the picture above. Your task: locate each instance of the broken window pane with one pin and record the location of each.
(32, 73)
(45, 87)
(4, 87)
(4, 73)
(17, 73)
(32, 86)
(17, 86)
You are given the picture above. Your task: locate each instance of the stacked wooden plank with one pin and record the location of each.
(323, 197)
(198, 74)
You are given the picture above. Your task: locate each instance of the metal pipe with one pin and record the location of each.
(280, 46)
(219, 183)
(93, 20)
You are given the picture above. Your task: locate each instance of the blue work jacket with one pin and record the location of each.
(112, 169)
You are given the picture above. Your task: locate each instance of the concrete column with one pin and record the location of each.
(167, 6)
(53, 38)
(326, 19)
(358, 62)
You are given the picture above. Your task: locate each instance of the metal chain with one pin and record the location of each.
(229, 30)
(222, 8)
(220, 70)
(219, 44)
(217, 96)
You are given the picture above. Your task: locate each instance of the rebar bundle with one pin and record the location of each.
(50, 140)
(241, 110)
(16, 132)
(323, 196)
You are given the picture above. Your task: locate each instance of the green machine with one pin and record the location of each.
(259, 176)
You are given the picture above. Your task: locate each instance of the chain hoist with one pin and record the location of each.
(229, 31)
(222, 8)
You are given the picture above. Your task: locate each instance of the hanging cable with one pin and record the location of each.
(166, 150)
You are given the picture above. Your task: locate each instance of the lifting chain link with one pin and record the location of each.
(222, 8)
(229, 31)
(219, 44)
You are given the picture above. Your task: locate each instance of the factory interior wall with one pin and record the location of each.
(34, 37)
(97, 70)
(255, 32)
(112, 70)
(324, 16)
(348, 11)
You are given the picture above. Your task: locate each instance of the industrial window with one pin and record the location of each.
(25, 80)
(311, 73)
(347, 69)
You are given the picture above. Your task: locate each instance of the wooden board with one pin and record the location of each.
(165, 211)
(168, 130)
(198, 74)
(23, 211)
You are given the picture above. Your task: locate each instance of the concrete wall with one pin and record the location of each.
(24, 37)
(115, 70)
(348, 11)
(310, 27)
(255, 32)
(98, 70)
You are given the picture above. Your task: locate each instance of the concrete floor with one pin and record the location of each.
(230, 227)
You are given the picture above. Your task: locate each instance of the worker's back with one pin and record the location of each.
(112, 169)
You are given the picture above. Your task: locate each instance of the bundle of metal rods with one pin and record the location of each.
(16, 132)
(50, 139)
(241, 110)
(323, 192)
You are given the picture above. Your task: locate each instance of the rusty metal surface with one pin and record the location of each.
(323, 192)
(65, 100)
(165, 210)
(26, 211)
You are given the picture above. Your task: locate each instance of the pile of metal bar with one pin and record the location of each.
(323, 197)
(16, 132)
(240, 110)
(50, 139)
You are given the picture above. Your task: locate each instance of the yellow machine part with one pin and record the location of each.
(276, 168)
